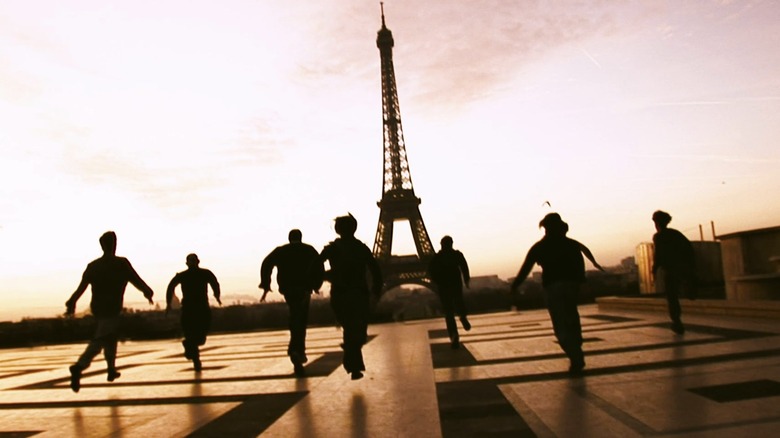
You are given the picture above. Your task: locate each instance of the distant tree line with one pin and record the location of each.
(155, 324)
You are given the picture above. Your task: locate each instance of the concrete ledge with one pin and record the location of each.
(757, 287)
(750, 309)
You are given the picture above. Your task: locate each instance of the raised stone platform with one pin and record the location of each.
(749, 309)
(721, 379)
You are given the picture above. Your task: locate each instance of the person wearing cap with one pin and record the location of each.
(449, 271)
(674, 259)
(195, 310)
(294, 263)
(350, 261)
(563, 272)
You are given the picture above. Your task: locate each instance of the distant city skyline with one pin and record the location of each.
(215, 128)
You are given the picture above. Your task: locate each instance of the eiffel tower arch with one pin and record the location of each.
(399, 203)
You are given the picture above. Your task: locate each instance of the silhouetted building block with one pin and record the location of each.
(644, 262)
(709, 270)
(487, 282)
(750, 264)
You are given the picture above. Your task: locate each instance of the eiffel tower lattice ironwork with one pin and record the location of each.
(399, 203)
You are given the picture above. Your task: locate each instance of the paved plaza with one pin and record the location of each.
(509, 378)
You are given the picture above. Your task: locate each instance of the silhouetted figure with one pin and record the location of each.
(674, 258)
(294, 263)
(449, 271)
(108, 276)
(350, 262)
(195, 310)
(563, 272)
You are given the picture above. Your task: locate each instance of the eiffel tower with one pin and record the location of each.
(399, 203)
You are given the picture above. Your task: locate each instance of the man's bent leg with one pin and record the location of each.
(195, 323)
(105, 330)
(552, 295)
(460, 308)
(672, 284)
(448, 307)
(354, 320)
(573, 329)
(110, 335)
(105, 339)
(109, 353)
(337, 303)
(94, 348)
(562, 306)
(299, 318)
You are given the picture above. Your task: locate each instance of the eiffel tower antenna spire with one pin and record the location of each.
(399, 203)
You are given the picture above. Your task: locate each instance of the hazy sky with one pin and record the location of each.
(215, 127)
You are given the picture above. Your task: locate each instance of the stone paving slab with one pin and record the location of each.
(722, 378)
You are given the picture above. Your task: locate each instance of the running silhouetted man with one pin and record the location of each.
(674, 258)
(563, 272)
(295, 263)
(350, 262)
(195, 310)
(449, 271)
(108, 276)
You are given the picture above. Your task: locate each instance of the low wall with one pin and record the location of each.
(750, 309)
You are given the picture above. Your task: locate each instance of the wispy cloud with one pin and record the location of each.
(710, 158)
(166, 187)
(589, 56)
(711, 102)
(17, 87)
(18, 83)
(455, 54)
(163, 181)
(259, 143)
(690, 103)
(30, 36)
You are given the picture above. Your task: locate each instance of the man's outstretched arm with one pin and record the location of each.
(171, 291)
(464, 269)
(589, 256)
(266, 268)
(525, 269)
(215, 287)
(141, 285)
(70, 305)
